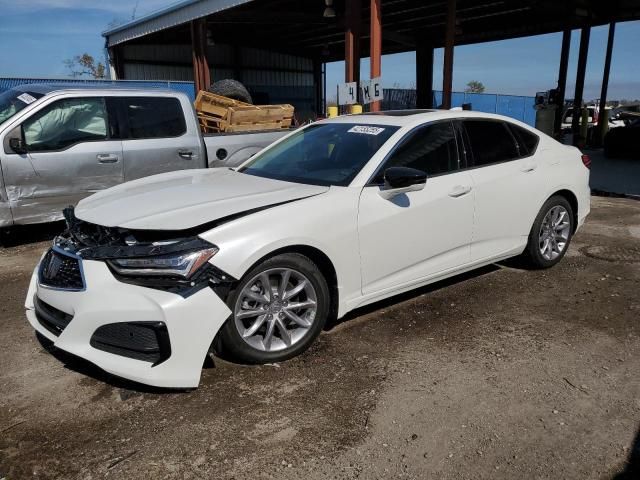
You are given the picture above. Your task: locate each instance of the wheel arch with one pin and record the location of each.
(321, 260)
(573, 201)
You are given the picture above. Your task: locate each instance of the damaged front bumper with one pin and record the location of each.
(155, 331)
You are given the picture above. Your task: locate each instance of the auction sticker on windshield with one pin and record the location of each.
(366, 130)
(26, 98)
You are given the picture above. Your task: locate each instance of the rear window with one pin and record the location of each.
(154, 117)
(491, 142)
(527, 140)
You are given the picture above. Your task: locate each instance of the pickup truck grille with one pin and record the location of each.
(60, 271)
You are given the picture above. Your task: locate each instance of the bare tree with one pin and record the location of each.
(85, 66)
(474, 86)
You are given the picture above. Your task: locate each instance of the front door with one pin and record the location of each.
(70, 155)
(417, 235)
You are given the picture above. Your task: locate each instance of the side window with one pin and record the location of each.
(65, 123)
(431, 148)
(527, 140)
(491, 142)
(154, 117)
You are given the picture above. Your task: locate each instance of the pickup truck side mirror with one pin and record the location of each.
(18, 145)
(399, 180)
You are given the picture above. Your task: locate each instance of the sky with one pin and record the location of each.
(36, 36)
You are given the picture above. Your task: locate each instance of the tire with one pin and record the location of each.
(239, 337)
(541, 228)
(231, 89)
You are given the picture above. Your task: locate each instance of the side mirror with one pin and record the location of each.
(18, 146)
(399, 180)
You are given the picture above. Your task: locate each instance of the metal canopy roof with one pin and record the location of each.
(299, 27)
(177, 14)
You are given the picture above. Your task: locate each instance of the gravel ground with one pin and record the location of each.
(501, 373)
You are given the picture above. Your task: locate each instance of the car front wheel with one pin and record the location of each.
(551, 233)
(279, 308)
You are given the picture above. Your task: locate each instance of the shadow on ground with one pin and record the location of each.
(84, 367)
(27, 234)
(403, 297)
(619, 176)
(632, 469)
(88, 369)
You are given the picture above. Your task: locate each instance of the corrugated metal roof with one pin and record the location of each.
(169, 17)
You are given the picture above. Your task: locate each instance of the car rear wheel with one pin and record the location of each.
(278, 309)
(551, 233)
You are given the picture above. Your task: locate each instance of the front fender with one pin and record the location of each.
(326, 222)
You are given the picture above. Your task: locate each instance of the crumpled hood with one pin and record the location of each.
(186, 199)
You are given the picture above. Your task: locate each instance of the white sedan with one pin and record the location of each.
(152, 275)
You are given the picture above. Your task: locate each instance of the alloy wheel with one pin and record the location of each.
(275, 309)
(554, 232)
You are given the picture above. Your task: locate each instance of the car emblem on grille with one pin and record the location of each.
(53, 267)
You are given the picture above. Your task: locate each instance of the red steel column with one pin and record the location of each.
(375, 38)
(201, 74)
(447, 71)
(352, 34)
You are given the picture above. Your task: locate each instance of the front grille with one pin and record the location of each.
(147, 341)
(50, 317)
(60, 271)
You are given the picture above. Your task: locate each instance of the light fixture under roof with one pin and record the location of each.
(329, 12)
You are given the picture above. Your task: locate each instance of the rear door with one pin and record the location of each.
(156, 138)
(416, 235)
(506, 178)
(73, 151)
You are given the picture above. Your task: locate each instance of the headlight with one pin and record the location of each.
(182, 264)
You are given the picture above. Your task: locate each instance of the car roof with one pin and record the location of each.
(403, 118)
(46, 88)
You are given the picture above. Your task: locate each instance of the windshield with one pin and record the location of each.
(12, 101)
(323, 154)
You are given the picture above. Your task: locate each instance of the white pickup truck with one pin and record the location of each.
(60, 144)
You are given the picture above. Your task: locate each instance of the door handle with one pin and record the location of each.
(186, 154)
(107, 158)
(530, 167)
(460, 190)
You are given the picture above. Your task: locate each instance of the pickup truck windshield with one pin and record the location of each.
(323, 154)
(12, 101)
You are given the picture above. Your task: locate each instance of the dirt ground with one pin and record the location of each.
(503, 373)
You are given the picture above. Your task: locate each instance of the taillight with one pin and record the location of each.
(586, 161)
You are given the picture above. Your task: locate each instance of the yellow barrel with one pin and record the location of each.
(584, 123)
(332, 112)
(355, 109)
(603, 124)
